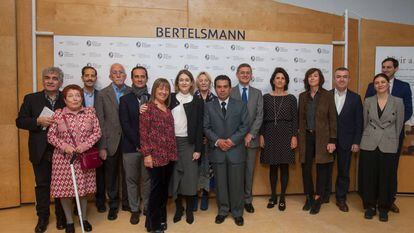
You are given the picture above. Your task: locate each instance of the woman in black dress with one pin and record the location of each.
(278, 133)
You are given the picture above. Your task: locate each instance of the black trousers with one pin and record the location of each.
(100, 186)
(112, 169)
(157, 203)
(343, 158)
(323, 171)
(378, 175)
(394, 187)
(43, 177)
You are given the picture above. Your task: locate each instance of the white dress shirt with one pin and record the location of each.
(339, 100)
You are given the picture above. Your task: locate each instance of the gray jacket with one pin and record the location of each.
(382, 132)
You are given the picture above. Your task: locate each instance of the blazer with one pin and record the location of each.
(107, 110)
(194, 112)
(382, 132)
(325, 125)
(400, 89)
(30, 110)
(349, 121)
(129, 118)
(235, 125)
(255, 110)
(95, 94)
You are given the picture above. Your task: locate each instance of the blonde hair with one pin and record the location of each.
(208, 77)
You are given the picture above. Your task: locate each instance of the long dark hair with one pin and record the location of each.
(308, 73)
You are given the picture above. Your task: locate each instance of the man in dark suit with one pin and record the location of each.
(226, 124)
(349, 131)
(136, 175)
(89, 78)
(40, 151)
(401, 89)
(254, 100)
(107, 105)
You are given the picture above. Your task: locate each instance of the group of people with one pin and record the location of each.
(163, 142)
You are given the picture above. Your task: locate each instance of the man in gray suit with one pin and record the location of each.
(226, 125)
(107, 107)
(254, 100)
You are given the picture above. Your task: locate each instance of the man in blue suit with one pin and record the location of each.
(401, 89)
(349, 131)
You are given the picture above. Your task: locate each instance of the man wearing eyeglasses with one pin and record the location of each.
(107, 109)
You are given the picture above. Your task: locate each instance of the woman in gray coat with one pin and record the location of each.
(383, 122)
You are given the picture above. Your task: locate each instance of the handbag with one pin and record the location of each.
(88, 159)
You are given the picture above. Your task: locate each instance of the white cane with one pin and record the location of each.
(75, 187)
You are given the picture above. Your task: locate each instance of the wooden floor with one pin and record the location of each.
(330, 219)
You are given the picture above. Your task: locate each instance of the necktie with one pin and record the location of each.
(244, 95)
(223, 108)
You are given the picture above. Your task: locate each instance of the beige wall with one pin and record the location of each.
(9, 165)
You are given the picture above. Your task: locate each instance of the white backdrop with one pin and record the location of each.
(405, 56)
(165, 57)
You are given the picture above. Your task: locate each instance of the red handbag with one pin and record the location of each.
(88, 159)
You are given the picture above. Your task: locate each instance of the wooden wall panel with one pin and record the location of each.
(9, 167)
(263, 20)
(378, 33)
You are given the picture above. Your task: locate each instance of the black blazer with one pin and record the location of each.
(95, 94)
(194, 112)
(129, 118)
(30, 110)
(349, 123)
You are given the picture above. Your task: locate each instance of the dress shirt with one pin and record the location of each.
(340, 100)
(89, 98)
(391, 84)
(51, 101)
(241, 90)
(119, 91)
(180, 118)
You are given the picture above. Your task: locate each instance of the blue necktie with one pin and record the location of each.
(244, 95)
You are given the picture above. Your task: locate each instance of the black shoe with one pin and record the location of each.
(60, 223)
(249, 208)
(394, 208)
(112, 214)
(87, 226)
(325, 200)
(189, 217)
(220, 219)
(101, 208)
(316, 206)
(342, 206)
(369, 213)
(41, 225)
(282, 204)
(308, 204)
(164, 226)
(272, 202)
(179, 211)
(134, 219)
(383, 216)
(239, 221)
(70, 228)
(126, 208)
(157, 231)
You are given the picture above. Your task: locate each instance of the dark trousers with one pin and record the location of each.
(378, 175)
(111, 166)
(323, 171)
(43, 177)
(342, 180)
(157, 203)
(394, 187)
(100, 186)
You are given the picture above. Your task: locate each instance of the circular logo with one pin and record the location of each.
(88, 64)
(277, 49)
(138, 44)
(296, 60)
(186, 66)
(186, 45)
(296, 80)
(232, 68)
(253, 58)
(207, 57)
(60, 53)
(319, 50)
(233, 47)
(88, 43)
(111, 54)
(159, 55)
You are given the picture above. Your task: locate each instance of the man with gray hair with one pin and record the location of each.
(33, 117)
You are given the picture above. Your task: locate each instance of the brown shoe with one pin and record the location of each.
(394, 208)
(342, 206)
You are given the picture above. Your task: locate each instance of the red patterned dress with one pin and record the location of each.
(84, 127)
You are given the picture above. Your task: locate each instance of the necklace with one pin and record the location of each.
(280, 107)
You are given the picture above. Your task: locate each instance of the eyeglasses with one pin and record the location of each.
(115, 72)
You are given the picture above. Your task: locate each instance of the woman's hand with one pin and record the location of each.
(196, 155)
(103, 154)
(293, 142)
(148, 161)
(261, 141)
(143, 108)
(69, 150)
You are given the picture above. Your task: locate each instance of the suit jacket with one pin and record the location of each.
(129, 117)
(235, 125)
(255, 110)
(382, 132)
(349, 121)
(30, 110)
(107, 110)
(95, 94)
(325, 125)
(400, 89)
(194, 112)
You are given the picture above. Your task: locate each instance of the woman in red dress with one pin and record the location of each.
(83, 124)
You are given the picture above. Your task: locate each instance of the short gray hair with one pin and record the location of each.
(53, 70)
